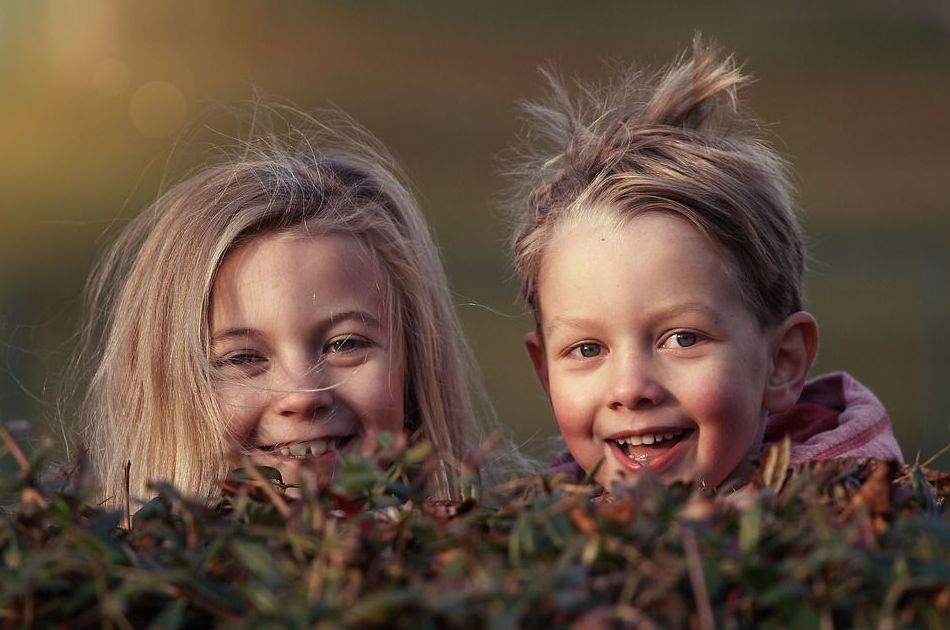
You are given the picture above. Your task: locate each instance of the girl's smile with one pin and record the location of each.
(306, 360)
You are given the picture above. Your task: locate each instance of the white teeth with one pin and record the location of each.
(313, 447)
(648, 438)
(296, 450)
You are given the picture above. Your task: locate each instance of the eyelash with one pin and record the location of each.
(696, 337)
(356, 341)
(350, 343)
(576, 350)
(238, 359)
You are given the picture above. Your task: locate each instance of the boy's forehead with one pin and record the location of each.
(602, 225)
(594, 253)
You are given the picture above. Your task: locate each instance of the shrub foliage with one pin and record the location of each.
(843, 543)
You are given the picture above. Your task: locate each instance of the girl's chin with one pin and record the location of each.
(313, 453)
(291, 468)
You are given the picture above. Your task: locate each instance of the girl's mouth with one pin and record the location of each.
(649, 450)
(311, 448)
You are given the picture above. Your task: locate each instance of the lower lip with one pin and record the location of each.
(658, 463)
(275, 459)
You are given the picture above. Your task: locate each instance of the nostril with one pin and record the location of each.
(303, 403)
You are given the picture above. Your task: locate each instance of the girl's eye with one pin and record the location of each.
(588, 350)
(346, 343)
(681, 339)
(238, 359)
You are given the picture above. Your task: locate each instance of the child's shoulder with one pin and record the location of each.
(836, 416)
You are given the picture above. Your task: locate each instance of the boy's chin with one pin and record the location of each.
(611, 478)
(711, 481)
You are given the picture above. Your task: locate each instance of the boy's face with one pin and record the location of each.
(647, 351)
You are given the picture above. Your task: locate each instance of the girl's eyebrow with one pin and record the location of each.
(230, 333)
(364, 317)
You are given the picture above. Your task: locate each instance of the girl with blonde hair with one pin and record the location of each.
(289, 304)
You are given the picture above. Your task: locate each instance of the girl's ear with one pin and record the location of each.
(793, 352)
(535, 346)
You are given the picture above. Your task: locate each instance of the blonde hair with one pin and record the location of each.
(150, 399)
(671, 142)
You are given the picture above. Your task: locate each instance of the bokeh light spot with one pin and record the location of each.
(158, 109)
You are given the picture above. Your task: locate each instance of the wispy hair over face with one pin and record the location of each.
(145, 346)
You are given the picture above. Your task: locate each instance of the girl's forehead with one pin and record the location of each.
(338, 246)
(335, 260)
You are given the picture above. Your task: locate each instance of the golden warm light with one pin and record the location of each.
(158, 109)
(105, 103)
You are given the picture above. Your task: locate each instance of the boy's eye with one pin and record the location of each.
(680, 340)
(588, 350)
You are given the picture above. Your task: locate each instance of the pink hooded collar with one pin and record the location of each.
(835, 417)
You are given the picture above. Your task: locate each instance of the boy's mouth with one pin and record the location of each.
(648, 450)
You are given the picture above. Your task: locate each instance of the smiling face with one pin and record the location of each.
(647, 351)
(306, 359)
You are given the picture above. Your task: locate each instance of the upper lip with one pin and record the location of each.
(652, 430)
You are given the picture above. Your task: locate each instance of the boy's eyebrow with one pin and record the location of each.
(567, 321)
(687, 307)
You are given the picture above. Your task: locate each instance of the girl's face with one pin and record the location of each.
(307, 362)
(649, 354)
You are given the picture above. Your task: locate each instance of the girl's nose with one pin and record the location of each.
(635, 384)
(306, 397)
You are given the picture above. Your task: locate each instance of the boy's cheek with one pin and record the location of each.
(575, 419)
(572, 409)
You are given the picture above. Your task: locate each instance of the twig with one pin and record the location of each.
(10, 442)
(697, 580)
(128, 500)
(934, 457)
(266, 486)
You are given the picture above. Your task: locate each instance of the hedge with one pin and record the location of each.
(845, 543)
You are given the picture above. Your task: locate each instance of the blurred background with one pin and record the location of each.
(103, 100)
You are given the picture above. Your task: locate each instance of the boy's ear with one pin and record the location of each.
(793, 352)
(535, 346)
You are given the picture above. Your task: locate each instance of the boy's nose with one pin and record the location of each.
(635, 385)
(305, 397)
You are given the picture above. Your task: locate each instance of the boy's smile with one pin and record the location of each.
(649, 354)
